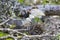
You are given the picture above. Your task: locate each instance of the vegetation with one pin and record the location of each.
(3, 34)
(20, 1)
(12, 26)
(58, 37)
(36, 19)
(9, 38)
(54, 2)
(14, 18)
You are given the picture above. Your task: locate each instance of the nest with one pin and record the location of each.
(36, 29)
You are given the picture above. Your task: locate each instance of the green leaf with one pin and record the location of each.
(9, 39)
(20, 1)
(26, 33)
(12, 26)
(3, 34)
(45, 2)
(36, 19)
(58, 37)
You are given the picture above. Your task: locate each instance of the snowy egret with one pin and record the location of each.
(35, 13)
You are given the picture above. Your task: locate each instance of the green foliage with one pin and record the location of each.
(36, 19)
(3, 34)
(29, 2)
(9, 38)
(58, 37)
(45, 2)
(20, 1)
(55, 2)
(26, 33)
(12, 26)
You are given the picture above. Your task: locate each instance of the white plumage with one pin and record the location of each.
(35, 13)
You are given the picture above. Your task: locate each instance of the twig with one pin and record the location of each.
(12, 30)
(4, 22)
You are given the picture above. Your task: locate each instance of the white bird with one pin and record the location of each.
(35, 13)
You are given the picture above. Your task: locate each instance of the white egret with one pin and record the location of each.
(35, 13)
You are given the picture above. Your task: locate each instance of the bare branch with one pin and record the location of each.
(4, 22)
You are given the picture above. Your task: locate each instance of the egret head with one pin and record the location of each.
(37, 12)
